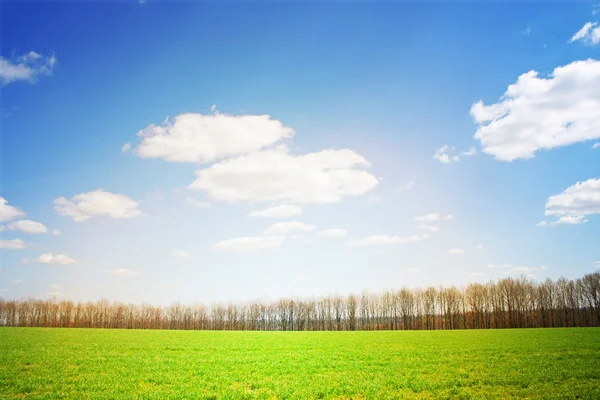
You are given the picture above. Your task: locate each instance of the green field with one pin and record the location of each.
(93, 363)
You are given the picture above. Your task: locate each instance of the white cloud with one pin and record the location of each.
(455, 252)
(597, 262)
(334, 232)
(405, 187)
(509, 269)
(14, 244)
(479, 246)
(17, 282)
(429, 228)
(198, 138)
(50, 258)
(8, 212)
(95, 204)
(281, 211)
(589, 34)
(571, 220)
(274, 175)
(56, 232)
(286, 227)
(249, 243)
(122, 272)
(2, 228)
(126, 147)
(56, 286)
(432, 217)
(197, 203)
(445, 155)
(386, 240)
(180, 254)
(575, 203)
(55, 294)
(542, 223)
(525, 270)
(542, 113)
(27, 226)
(27, 67)
(213, 108)
(596, 145)
(471, 152)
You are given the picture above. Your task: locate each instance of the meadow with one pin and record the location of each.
(44, 363)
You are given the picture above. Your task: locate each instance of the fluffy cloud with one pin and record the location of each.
(95, 204)
(471, 152)
(589, 34)
(542, 113)
(199, 138)
(445, 155)
(14, 244)
(27, 226)
(433, 217)
(575, 203)
(122, 272)
(275, 175)
(281, 211)
(386, 240)
(56, 232)
(455, 252)
(334, 232)
(8, 212)
(249, 243)
(27, 67)
(49, 258)
(287, 227)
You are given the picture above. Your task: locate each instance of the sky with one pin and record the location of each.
(199, 153)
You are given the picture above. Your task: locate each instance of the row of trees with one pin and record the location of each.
(507, 303)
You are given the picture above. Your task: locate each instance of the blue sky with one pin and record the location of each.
(389, 90)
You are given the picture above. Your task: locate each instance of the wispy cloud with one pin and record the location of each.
(445, 155)
(433, 217)
(589, 34)
(280, 211)
(28, 67)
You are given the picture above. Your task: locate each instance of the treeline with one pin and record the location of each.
(507, 303)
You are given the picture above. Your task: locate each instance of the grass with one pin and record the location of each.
(38, 363)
